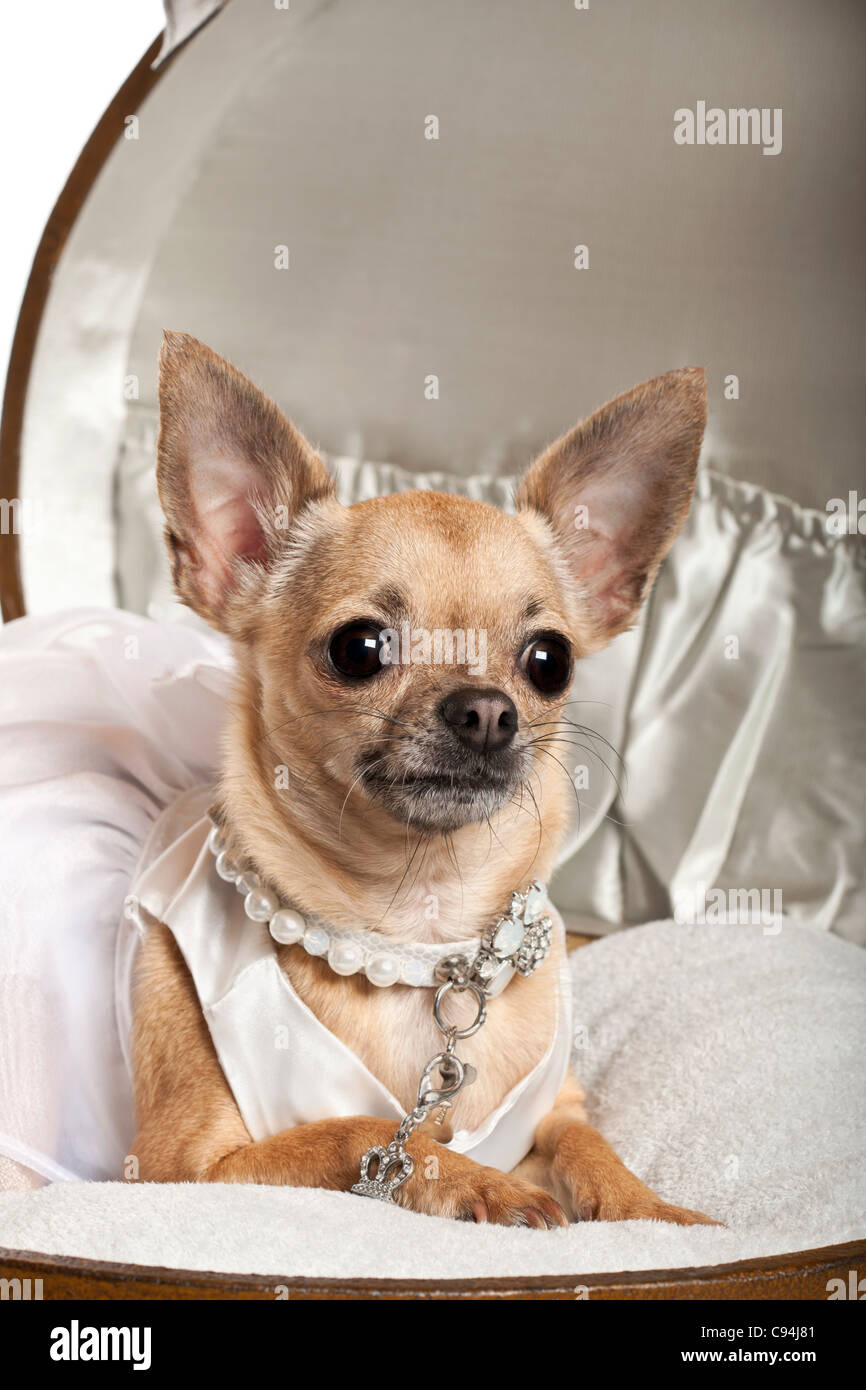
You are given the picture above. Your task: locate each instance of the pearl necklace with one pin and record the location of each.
(518, 941)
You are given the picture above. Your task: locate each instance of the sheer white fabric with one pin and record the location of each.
(105, 718)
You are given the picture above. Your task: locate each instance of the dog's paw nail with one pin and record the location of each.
(553, 1214)
(585, 1212)
(532, 1216)
(478, 1213)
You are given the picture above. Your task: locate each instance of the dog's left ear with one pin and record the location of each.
(616, 490)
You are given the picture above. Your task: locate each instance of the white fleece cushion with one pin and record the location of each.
(725, 1065)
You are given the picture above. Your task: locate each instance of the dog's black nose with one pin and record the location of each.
(485, 719)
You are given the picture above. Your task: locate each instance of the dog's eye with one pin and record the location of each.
(547, 663)
(356, 650)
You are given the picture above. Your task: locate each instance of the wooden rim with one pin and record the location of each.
(803, 1274)
(85, 172)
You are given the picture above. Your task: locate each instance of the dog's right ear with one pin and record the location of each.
(232, 473)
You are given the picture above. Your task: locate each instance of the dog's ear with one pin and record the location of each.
(616, 489)
(232, 472)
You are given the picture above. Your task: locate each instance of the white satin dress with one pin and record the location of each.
(109, 728)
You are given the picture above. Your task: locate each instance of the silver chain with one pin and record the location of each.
(395, 1165)
(519, 941)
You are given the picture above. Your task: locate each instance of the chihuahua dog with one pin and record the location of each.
(407, 782)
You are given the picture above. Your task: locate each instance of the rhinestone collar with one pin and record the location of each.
(518, 941)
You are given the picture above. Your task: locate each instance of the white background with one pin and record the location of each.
(63, 61)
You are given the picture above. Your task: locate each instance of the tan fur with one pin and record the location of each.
(327, 843)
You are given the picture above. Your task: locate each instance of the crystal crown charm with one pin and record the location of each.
(394, 1166)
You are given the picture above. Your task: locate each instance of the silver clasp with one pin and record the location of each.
(452, 1073)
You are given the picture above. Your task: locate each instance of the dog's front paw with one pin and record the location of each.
(510, 1201)
(652, 1208)
(613, 1193)
(467, 1191)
